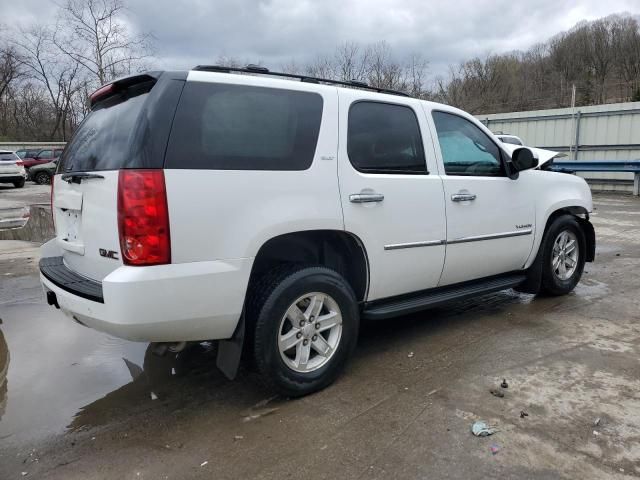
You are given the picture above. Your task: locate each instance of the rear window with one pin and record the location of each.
(104, 139)
(8, 156)
(236, 127)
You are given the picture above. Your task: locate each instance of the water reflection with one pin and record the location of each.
(158, 378)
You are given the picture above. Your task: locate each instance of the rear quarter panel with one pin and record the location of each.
(230, 214)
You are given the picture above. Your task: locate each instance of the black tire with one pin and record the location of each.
(19, 183)
(42, 178)
(552, 284)
(269, 300)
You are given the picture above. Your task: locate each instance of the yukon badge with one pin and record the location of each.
(528, 225)
(109, 254)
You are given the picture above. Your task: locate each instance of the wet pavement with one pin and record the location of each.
(75, 403)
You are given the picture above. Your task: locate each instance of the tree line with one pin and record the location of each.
(48, 71)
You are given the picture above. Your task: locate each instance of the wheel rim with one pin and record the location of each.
(43, 179)
(310, 332)
(564, 258)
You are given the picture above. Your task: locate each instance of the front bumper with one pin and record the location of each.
(163, 303)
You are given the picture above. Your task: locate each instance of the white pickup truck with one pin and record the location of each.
(273, 212)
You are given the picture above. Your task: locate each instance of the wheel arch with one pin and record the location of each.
(339, 250)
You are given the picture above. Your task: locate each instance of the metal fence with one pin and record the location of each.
(597, 133)
(19, 145)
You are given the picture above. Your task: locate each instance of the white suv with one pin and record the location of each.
(275, 213)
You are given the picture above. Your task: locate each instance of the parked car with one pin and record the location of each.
(27, 152)
(41, 174)
(12, 169)
(43, 156)
(282, 211)
(512, 139)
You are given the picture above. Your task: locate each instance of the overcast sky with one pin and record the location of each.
(274, 32)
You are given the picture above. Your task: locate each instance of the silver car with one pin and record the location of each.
(12, 169)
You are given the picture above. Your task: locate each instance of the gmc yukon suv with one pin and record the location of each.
(273, 212)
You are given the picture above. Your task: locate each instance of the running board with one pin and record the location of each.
(396, 306)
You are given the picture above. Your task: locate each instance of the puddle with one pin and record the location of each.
(31, 224)
(57, 376)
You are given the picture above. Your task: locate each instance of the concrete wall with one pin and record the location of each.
(598, 133)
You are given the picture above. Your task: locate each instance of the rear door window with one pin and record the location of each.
(238, 127)
(45, 154)
(385, 138)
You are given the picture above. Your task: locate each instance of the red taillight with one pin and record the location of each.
(20, 163)
(143, 218)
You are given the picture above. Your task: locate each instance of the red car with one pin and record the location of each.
(43, 156)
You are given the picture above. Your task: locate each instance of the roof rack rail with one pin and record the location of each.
(303, 78)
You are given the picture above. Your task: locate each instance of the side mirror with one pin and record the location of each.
(522, 159)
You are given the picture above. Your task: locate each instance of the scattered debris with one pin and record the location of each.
(504, 383)
(617, 254)
(324, 447)
(238, 437)
(432, 392)
(596, 433)
(154, 396)
(596, 422)
(494, 449)
(481, 429)
(24, 473)
(262, 413)
(523, 414)
(497, 393)
(410, 355)
(204, 463)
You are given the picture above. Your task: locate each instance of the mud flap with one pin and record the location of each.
(533, 283)
(230, 351)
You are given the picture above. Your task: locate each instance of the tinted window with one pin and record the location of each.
(236, 127)
(8, 156)
(103, 140)
(21, 153)
(466, 150)
(45, 154)
(384, 138)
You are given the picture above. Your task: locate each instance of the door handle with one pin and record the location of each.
(366, 197)
(463, 197)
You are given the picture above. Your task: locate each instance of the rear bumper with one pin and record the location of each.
(11, 177)
(164, 303)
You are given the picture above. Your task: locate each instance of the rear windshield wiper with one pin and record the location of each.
(77, 177)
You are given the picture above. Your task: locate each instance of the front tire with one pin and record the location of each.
(563, 257)
(305, 326)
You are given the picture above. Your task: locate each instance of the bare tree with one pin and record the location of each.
(58, 77)
(94, 36)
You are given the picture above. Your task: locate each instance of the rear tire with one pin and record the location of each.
(19, 183)
(564, 249)
(42, 178)
(304, 322)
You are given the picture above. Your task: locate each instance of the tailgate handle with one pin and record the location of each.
(77, 177)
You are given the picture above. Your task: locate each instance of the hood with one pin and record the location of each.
(543, 156)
